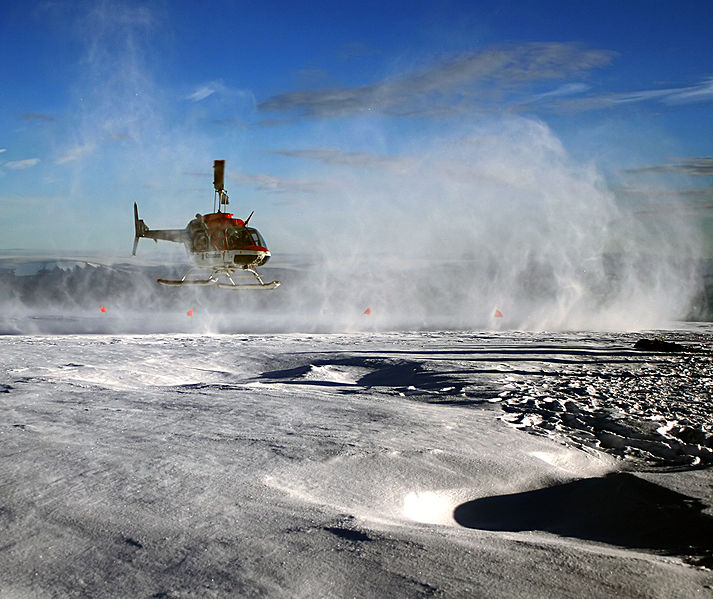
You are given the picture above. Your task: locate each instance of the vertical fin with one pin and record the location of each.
(140, 229)
(136, 229)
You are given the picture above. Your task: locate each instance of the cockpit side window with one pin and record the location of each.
(238, 237)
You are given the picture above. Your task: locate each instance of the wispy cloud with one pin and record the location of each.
(697, 167)
(275, 184)
(701, 207)
(700, 193)
(509, 77)
(205, 91)
(217, 89)
(352, 159)
(701, 92)
(39, 117)
(18, 165)
(76, 152)
(475, 77)
(275, 122)
(567, 89)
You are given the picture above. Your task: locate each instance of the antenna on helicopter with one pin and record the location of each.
(221, 196)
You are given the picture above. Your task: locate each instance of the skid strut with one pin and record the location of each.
(259, 285)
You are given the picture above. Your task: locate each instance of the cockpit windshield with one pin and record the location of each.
(256, 237)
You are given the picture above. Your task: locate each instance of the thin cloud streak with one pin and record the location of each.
(205, 91)
(702, 92)
(696, 167)
(39, 117)
(567, 89)
(702, 193)
(275, 184)
(334, 156)
(19, 165)
(275, 122)
(701, 208)
(76, 153)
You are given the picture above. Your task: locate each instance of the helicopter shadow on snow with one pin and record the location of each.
(392, 375)
(618, 509)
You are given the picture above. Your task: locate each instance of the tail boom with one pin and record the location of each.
(141, 229)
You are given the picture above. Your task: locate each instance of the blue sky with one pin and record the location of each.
(107, 103)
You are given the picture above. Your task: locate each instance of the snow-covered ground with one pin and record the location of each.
(456, 464)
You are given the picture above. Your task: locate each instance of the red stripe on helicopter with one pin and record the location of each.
(252, 248)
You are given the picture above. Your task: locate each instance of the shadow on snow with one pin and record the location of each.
(618, 509)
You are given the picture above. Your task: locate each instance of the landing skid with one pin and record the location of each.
(213, 279)
(187, 282)
(270, 285)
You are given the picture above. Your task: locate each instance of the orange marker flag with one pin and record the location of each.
(498, 313)
(367, 311)
(102, 309)
(190, 312)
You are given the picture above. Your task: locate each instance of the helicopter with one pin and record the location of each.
(220, 245)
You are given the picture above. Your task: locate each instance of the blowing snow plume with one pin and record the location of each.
(500, 221)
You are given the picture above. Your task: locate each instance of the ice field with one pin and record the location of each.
(372, 464)
(477, 357)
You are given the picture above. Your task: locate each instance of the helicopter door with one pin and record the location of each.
(217, 239)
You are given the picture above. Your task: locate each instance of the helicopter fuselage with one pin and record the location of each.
(216, 240)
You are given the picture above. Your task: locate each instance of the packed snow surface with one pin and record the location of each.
(453, 464)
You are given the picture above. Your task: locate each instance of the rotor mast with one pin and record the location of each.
(221, 196)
